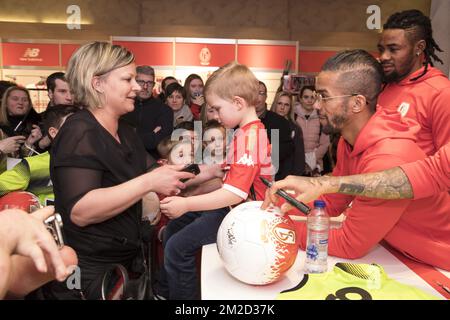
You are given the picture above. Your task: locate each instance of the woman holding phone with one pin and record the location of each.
(99, 168)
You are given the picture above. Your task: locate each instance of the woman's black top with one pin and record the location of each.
(85, 157)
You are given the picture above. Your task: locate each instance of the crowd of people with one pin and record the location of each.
(110, 153)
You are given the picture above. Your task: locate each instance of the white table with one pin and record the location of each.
(218, 284)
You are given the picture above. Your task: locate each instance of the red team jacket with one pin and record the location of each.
(418, 228)
(427, 101)
(249, 158)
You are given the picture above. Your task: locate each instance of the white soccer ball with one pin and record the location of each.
(257, 246)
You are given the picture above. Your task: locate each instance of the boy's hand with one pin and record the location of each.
(174, 207)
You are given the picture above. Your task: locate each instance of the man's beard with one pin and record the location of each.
(260, 109)
(395, 75)
(329, 129)
(147, 94)
(338, 120)
(392, 77)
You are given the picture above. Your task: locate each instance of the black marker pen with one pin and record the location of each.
(297, 204)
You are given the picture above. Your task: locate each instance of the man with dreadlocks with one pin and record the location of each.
(414, 87)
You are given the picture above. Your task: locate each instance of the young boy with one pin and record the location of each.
(232, 92)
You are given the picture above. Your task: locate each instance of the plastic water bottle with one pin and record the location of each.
(318, 224)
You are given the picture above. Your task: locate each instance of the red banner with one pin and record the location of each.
(30, 54)
(312, 60)
(150, 53)
(204, 54)
(266, 56)
(66, 52)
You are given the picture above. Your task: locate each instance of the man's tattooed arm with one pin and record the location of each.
(389, 184)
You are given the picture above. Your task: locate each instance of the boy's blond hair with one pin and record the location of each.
(233, 79)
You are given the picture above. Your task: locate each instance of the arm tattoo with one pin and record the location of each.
(348, 188)
(388, 184)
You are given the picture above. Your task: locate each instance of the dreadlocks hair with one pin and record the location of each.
(417, 27)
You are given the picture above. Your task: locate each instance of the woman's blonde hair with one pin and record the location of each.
(280, 94)
(4, 107)
(233, 79)
(91, 60)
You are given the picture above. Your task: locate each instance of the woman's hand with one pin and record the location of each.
(34, 136)
(166, 179)
(200, 100)
(45, 142)
(11, 144)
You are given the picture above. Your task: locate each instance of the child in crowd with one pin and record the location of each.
(232, 92)
(175, 151)
(171, 152)
(214, 153)
(187, 131)
(214, 143)
(206, 115)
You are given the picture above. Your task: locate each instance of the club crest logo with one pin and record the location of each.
(285, 235)
(205, 56)
(403, 108)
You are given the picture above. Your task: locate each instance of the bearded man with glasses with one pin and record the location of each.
(373, 139)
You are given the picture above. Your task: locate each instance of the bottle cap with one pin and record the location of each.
(319, 204)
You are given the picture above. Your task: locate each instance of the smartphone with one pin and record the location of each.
(192, 168)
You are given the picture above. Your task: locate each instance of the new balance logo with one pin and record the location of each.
(246, 160)
(31, 53)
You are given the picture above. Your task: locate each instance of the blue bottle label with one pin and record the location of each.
(312, 252)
